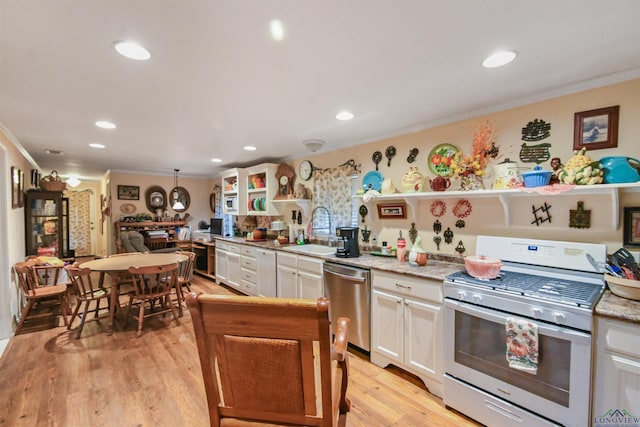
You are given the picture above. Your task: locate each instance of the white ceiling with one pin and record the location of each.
(217, 81)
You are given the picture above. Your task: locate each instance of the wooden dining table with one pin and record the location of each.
(117, 265)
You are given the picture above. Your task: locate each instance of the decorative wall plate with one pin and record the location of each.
(127, 208)
(439, 159)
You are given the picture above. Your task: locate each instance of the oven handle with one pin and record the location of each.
(497, 317)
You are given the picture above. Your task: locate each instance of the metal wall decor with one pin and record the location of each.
(438, 208)
(579, 217)
(390, 152)
(412, 155)
(448, 235)
(536, 130)
(363, 211)
(377, 158)
(413, 232)
(460, 248)
(543, 210)
(437, 240)
(462, 209)
(535, 153)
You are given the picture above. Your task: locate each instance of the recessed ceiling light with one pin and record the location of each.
(216, 160)
(249, 148)
(500, 58)
(54, 152)
(96, 145)
(344, 115)
(277, 30)
(105, 124)
(132, 50)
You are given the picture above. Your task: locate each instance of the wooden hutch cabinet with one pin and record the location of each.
(47, 224)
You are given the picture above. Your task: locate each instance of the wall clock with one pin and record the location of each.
(285, 177)
(305, 170)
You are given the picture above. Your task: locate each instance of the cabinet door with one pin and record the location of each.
(267, 279)
(423, 337)
(387, 329)
(617, 383)
(222, 266)
(309, 285)
(235, 272)
(287, 282)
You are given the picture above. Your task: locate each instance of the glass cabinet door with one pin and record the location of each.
(44, 224)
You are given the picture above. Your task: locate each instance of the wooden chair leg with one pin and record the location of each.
(75, 313)
(83, 318)
(140, 319)
(63, 304)
(25, 312)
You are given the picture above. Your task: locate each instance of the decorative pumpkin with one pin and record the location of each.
(581, 170)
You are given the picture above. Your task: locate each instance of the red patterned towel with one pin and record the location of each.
(548, 189)
(522, 345)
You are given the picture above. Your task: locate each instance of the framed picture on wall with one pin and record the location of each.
(20, 189)
(631, 227)
(392, 211)
(596, 129)
(128, 192)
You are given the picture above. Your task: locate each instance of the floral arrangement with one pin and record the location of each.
(483, 150)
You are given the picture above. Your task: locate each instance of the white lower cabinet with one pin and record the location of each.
(299, 276)
(406, 326)
(258, 271)
(617, 370)
(228, 269)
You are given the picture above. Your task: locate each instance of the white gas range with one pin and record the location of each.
(548, 284)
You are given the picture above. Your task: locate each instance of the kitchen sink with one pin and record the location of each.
(311, 249)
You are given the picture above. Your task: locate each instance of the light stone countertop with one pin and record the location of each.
(439, 266)
(618, 308)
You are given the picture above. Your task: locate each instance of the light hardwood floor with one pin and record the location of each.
(47, 377)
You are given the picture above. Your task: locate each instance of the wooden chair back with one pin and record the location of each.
(153, 281)
(26, 277)
(268, 359)
(185, 269)
(83, 286)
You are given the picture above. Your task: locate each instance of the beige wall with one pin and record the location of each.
(487, 216)
(12, 232)
(199, 191)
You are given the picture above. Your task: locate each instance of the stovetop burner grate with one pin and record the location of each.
(536, 287)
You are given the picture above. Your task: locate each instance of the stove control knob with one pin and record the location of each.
(558, 317)
(476, 298)
(536, 312)
(462, 295)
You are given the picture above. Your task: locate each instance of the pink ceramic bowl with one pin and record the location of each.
(482, 267)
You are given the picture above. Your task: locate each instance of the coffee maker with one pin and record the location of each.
(349, 242)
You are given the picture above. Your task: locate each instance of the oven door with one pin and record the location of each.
(475, 353)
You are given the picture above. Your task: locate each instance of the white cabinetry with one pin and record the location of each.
(228, 270)
(406, 328)
(260, 185)
(617, 384)
(234, 195)
(299, 276)
(258, 271)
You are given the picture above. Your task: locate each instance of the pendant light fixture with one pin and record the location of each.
(177, 204)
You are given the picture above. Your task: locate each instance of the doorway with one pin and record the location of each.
(82, 236)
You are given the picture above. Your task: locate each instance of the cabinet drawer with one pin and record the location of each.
(248, 262)
(248, 251)
(620, 337)
(249, 288)
(231, 247)
(249, 275)
(310, 265)
(223, 246)
(287, 259)
(426, 289)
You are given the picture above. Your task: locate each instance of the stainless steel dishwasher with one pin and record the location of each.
(349, 292)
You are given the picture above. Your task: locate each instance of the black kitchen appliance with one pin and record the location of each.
(349, 242)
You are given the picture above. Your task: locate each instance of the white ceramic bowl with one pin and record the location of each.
(482, 267)
(624, 288)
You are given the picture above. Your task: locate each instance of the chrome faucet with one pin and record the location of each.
(313, 213)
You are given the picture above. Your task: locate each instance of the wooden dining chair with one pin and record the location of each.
(35, 294)
(153, 285)
(271, 360)
(86, 294)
